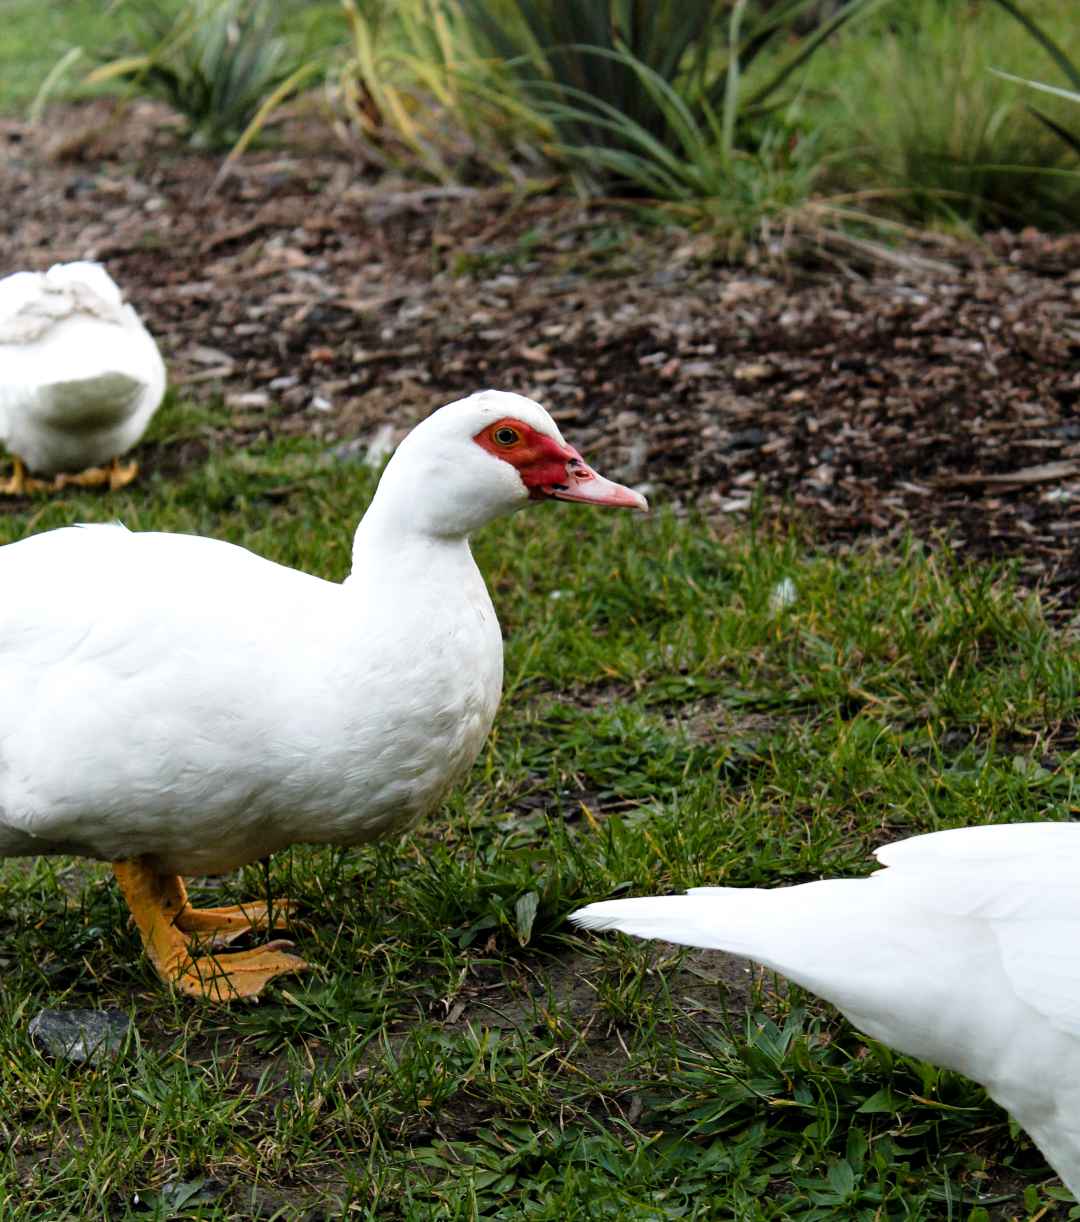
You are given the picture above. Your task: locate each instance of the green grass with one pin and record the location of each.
(910, 115)
(36, 35)
(458, 1053)
(897, 114)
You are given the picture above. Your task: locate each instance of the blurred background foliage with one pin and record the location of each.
(726, 113)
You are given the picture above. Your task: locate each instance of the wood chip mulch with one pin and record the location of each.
(864, 397)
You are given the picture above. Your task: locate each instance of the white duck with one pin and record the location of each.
(198, 707)
(80, 377)
(964, 952)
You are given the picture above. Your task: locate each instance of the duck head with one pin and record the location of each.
(483, 457)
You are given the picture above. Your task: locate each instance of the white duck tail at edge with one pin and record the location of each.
(964, 951)
(80, 376)
(198, 707)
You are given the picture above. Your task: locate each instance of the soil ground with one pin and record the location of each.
(859, 394)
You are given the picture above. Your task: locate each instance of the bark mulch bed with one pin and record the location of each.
(866, 397)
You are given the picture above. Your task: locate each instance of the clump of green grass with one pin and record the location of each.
(456, 1053)
(920, 123)
(418, 90)
(224, 65)
(648, 99)
(677, 103)
(36, 36)
(1065, 67)
(221, 64)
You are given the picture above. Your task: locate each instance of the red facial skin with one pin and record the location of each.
(548, 469)
(538, 459)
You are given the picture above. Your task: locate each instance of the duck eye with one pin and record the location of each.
(506, 436)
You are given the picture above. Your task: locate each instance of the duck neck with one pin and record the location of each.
(375, 551)
(406, 521)
(396, 546)
(425, 496)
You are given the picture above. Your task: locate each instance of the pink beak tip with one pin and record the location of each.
(639, 502)
(591, 488)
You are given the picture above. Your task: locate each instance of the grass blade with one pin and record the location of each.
(1053, 50)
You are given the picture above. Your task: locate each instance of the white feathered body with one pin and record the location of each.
(201, 706)
(965, 951)
(80, 376)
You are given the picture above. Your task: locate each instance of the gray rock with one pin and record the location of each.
(747, 439)
(81, 1036)
(179, 1196)
(372, 450)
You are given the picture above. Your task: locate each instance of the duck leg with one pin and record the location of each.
(115, 475)
(221, 926)
(217, 927)
(20, 483)
(173, 933)
(119, 475)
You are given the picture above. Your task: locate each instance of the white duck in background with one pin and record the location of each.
(80, 377)
(199, 707)
(965, 951)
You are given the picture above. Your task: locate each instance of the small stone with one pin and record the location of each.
(784, 594)
(381, 444)
(632, 468)
(179, 1195)
(248, 398)
(349, 451)
(755, 371)
(747, 439)
(372, 451)
(81, 1036)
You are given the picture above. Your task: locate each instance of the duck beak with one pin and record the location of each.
(591, 488)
